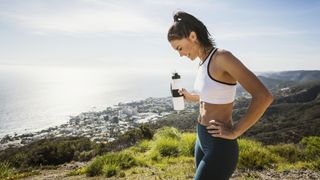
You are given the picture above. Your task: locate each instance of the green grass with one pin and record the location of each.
(111, 163)
(311, 147)
(5, 170)
(8, 172)
(167, 146)
(187, 143)
(289, 152)
(169, 155)
(253, 155)
(168, 132)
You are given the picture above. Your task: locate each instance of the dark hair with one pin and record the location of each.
(184, 24)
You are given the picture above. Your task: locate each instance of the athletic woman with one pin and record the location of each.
(216, 149)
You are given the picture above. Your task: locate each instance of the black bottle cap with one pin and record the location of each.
(175, 76)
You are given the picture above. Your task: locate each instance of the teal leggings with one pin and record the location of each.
(216, 158)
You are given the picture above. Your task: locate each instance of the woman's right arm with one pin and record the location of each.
(188, 96)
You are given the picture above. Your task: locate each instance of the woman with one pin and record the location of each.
(216, 150)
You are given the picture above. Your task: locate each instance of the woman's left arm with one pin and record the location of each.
(261, 97)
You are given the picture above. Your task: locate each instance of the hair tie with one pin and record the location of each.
(177, 18)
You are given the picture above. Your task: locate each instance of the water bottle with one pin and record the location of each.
(175, 86)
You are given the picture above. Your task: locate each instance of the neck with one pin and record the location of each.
(204, 52)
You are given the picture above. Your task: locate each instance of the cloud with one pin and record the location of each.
(85, 17)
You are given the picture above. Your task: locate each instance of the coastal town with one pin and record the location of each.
(101, 126)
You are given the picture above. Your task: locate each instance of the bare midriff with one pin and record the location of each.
(218, 112)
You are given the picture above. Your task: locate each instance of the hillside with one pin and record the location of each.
(296, 76)
(281, 135)
(169, 155)
(285, 80)
(293, 114)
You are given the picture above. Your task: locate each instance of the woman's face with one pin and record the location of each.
(186, 47)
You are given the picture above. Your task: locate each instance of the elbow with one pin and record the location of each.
(268, 98)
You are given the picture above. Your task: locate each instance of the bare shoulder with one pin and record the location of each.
(224, 59)
(231, 65)
(236, 69)
(223, 54)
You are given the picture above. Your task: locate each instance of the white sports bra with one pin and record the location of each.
(211, 90)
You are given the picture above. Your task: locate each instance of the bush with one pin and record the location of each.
(84, 156)
(110, 163)
(18, 159)
(187, 144)
(57, 151)
(146, 131)
(167, 146)
(123, 159)
(168, 132)
(144, 146)
(52, 151)
(311, 146)
(294, 166)
(110, 170)
(95, 168)
(154, 155)
(78, 171)
(5, 170)
(129, 138)
(288, 151)
(253, 156)
(316, 165)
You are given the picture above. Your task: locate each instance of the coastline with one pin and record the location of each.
(100, 126)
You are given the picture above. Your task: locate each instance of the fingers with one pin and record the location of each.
(214, 122)
(182, 91)
(213, 127)
(215, 132)
(216, 128)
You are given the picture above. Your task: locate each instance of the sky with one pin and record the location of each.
(266, 35)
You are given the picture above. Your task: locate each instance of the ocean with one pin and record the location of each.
(33, 98)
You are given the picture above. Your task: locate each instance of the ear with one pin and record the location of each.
(193, 36)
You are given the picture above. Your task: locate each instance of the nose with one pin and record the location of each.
(180, 53)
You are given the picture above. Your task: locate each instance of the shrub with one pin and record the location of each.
(168, 132)
(129, 138)
(146, 131)
(110, 170)
(167, 146)
(294, 166)
(253, 156)
(187, 144)
(18, 159)
(108, 163)
(123, 159)
(144, 146)
(288, 151)
(311, 146)
(85, 155)
(95, 168)
(316, 165)
(154, 155)
(5, 170)
(52, 151)
(78, 171)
